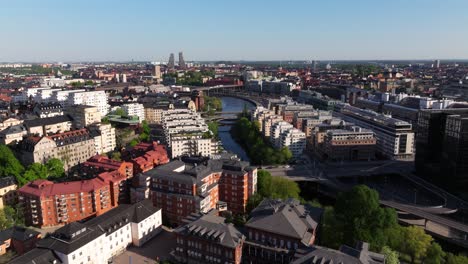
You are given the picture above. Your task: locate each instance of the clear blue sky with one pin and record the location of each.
(47, 30)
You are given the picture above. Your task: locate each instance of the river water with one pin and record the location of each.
(232, 104)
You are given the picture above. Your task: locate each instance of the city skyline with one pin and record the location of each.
(212, 31)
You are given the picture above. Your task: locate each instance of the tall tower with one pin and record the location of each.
(171, 62)
(181, 61)
(157, 72)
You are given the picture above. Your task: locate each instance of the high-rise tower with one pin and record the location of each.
(171, 62)
(157, 72)
(181, 61)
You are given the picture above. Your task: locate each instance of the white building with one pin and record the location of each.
(99, 239)
(276, 130)
(104, 137)
(134, 109)
(294, 140)
(92, 98)
(186, 133)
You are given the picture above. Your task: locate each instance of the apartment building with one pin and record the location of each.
(104, 137)
(44, 110)
(286, 111)
(181, 188)
(354, 143)
(134, 109)
(100, 239)
(267, 124)
(8, 195)
(99, 164)
(71, 147)
(13, 134)
(395, 138)
(91, 98)
(276, 130)
(49, 204)
(185, 134)
(85, 115)
(9, 122)
(153, 114)
(206, 238)
(49, 125)
(146, 156)
(294, 140)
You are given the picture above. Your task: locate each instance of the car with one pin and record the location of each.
(287, 166)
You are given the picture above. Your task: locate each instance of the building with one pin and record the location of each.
(85, 115)
(171, 62)
(134, 109)
(18, 239)
(8, 195)
(100, 239)
(318, 100)
(287, 111)
(13, 134)
(71, 147)
(357, 255)
(277, 229)
(395, 138)
(186, 133)
(146, 156)
(157, 72)
(44, 110)
(99, 164)
(153, 114)
(49, 204)
(276, 130)
(268, 122)
(294, 140)
(91, 98)
(182, 64)
(49, 125)
(104, 137)
(181, 188)
(440, 146)
(354, 143)
(9, 122)
(206, 238)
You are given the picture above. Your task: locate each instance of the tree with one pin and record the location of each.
(415, 243)
(120, 112)
(213, 127)
(133, 143)
(253, 202)
(330, 225)
(264, 186)
(9, 164)
(435, 254)
(276, 187)
(362, 219)
(55, 168)
(35, 171)
(116, 155)
(453, 259)
(6, 221)
(391, 256)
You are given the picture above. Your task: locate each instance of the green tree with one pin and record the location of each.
(391, 256)
(453, 259)
(133, 143)
(415, 243)
(55, 168)
(116, 155)
(9, 164)
(332, 236)
(362, 218)
(6, 221)
(35, 171)
(264, 183)
(253, 202)
(213, 127)
(120, 112)
(284, 188)
(435, 254)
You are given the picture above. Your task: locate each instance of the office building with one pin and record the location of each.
(100, 239)
(395, 138)
(157, 72)
(354, 143)
(171, 62)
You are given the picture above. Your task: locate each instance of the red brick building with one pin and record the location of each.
(49, 204)
(181, 188)
(207, 239)
(146, 156)
(99, 164)
(18, 239)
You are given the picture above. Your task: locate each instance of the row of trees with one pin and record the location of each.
(10, 166)
(248, 135)
(191, 78)
(357, 216)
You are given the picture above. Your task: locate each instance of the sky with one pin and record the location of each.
(148, 30)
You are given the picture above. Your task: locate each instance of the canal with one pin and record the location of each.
(232, 104)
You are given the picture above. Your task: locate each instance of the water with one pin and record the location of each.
(232, 104)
